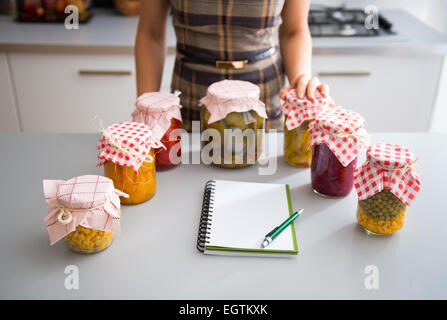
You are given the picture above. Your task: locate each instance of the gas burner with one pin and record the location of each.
(342, 22)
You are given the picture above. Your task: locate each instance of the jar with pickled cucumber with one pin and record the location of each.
(232, 124)
(84, 211)
(386, 184)
(161, 112)
(299, 112)
(127, 151)
(337, 137)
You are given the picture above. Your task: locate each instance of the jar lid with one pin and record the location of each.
(90, 201)
(342, 131)
(299, 110)
(228, 96)
(157, 109)
(388, 166)
(127, 144)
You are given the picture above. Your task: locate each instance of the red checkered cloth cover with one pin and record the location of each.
(388, 166)
(156, 109)
(299, 110)
(226, 96)
(127, 144)
(89, 201)
(342, 131)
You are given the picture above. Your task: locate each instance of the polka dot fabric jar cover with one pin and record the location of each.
(337, 136)
(127, 152)
(386, 184)
(84, 210)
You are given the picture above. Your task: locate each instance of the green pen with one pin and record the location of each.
(269, 237)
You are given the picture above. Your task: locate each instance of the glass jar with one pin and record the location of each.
(163, 158)
(85, 211)
(139, 186)
(296, 145)
(234, 118)
(160, 111)
(383, 213)
(85, 240)
(329, 177)
(238, 148)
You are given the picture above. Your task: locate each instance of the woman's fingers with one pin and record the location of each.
(283, 92)
(301, 85)
(311, 87)
(324, 90)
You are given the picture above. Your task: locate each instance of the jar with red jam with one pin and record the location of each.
(386, 184)
(337, 136)
(299, 113)
(161, 112)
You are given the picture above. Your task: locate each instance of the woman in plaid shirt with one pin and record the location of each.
(252, 40)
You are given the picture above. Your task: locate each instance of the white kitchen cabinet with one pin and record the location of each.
(8, 114)
(59, 92)
(392, 93)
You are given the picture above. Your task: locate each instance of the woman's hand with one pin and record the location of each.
(306, 86)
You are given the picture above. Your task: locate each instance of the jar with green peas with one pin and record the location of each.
(386, 184)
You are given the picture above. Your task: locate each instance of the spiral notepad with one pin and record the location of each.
(237, 215)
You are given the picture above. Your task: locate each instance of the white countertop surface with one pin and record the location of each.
(155, 256)
(107, 29)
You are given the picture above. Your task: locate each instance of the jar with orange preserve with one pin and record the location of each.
(161, 112)
(337, 137)
(299, 113)
(386, 184)
(84, 211)
(127, 152)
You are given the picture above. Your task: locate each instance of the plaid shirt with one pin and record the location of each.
(227, 30)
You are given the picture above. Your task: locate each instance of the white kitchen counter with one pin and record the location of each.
(155, 256)
(109, 30)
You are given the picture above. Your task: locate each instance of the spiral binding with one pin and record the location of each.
(206, 215)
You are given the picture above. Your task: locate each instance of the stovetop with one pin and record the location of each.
(342, 22)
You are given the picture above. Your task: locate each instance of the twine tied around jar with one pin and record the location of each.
(66, 214)
(409, 166)
(359, 134)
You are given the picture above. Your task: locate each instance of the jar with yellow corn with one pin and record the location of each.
(233, 121)
(299, 113)
(85, 211)
(385, 184)
(127, 152)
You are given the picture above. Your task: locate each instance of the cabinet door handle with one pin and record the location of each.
(83, 72)
(345, 74)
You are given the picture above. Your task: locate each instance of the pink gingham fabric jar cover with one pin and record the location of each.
(90, 201)
(388, 166)
(342, 131)
(298, 110)
(228, 96)
(156, 109)
(127, 144)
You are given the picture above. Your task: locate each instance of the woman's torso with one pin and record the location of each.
(227, 30)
